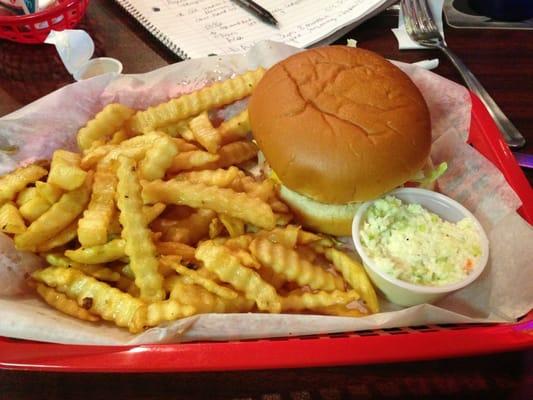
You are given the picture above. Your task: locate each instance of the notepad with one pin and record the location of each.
(198, 28)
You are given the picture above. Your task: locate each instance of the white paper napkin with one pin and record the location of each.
(404, 41)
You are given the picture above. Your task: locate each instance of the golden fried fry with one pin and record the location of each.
(48, 191)
(234, 226)
(198, 195)
(343, 311)
(17, 180)
(192, 159)
(34, 207)
(263, 190)
(195, 277)
(158, 159)
(215, 228)
(233, 154)
(204, 132)
(183, 145)
(105, 123)
(66, 235)
(286, 261)
(235, 128)
(119, 136)
(216, 95)
(93, 227)
(239, 242)
(150, 213)
(135, 148)
(167, 310)
(95, 296)
(57, 218)
(102, 253)
(180, 128)
(65, 171)
(204, 301)
(246, 258)
(218, 259)
(217, 177)
(286, 236)
(10, 219)
(139, 246)
(354, 273)
(278, 206)
(311, 301)
(26, 195)
(175, 249)
(62, 303)
(272, 277)
(98, 271)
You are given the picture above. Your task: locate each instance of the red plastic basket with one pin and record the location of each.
(364, 347)
(34, 28)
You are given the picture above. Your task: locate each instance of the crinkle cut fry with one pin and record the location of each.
(207, 284)
(102, 253)
(97, 297)
(204, 301)
(105, 123)
(286, 261)
(167, 310)
(216, 95)
(17, 180)
(93, 226)
(235, 128)
(158, 159)
(221, 200)
(61, 302)
(355, 275)
(139, 245)
(312, 301)
(57, 218)
(226, 266)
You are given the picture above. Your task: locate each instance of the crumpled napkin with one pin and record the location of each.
(404, 41)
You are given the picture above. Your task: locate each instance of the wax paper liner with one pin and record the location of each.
(502, 293)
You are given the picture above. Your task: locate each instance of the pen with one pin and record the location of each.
(256, 9)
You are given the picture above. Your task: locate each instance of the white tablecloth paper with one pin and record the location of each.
(503, 292)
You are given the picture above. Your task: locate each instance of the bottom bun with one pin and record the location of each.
(333, 219)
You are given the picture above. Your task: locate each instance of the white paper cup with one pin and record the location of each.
(98, 66)
(409, 294)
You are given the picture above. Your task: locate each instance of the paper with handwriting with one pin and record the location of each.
(198, 28)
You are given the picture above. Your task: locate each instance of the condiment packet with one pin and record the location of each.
(76, 48)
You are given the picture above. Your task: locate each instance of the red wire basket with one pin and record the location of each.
(34, 28)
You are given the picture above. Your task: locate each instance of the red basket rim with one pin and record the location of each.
(29, 17)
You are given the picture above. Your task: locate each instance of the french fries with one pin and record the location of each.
(221, 200)
(228, 268)
(10, 219)
(17, 180)
(65, 171)
(93, 226)
(57, 218)
(139, 245)
(105, 123)
(204, 132)
(157, 218)
(216, 95)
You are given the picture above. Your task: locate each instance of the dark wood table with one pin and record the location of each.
(503, 62)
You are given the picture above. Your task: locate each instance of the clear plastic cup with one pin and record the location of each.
(405, 293)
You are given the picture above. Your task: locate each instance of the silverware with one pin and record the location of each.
(421, 27)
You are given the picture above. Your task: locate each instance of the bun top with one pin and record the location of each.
(340, 124)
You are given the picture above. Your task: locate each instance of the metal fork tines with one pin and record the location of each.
(421, 27)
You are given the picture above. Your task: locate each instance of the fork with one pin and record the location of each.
(421, 28)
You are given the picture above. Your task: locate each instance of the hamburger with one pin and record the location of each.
(338, 126)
